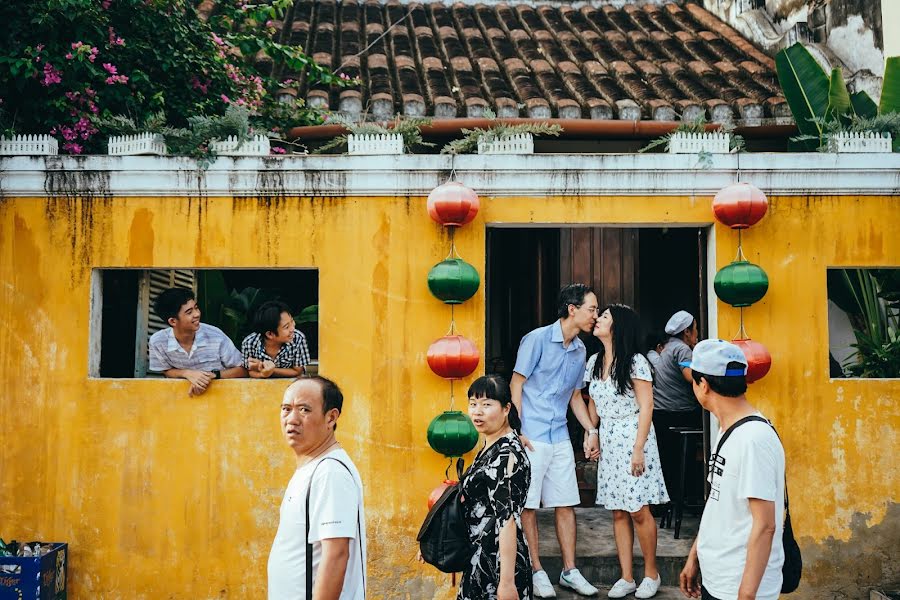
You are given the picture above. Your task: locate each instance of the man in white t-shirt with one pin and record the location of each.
(328, 479)
(738, 552)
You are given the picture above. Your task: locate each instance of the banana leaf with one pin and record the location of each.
(863, 105)
(805, 85)
(838, 97)
(890, 91)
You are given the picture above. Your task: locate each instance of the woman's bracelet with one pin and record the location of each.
(592, 432)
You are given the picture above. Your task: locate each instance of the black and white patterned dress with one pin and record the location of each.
(494, 489)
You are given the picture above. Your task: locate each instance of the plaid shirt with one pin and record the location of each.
(292, 354)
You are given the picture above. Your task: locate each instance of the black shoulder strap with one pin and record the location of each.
(747, 420)
(309, 548)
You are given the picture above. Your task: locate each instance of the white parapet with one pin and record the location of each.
(375, 143)
(859, 141)
(29, 145)
(142, 143)
(521, 143)
(258, 145)
(713, 142)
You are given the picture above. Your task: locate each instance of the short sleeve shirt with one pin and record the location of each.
(552, 373)
(750, 465)
(293, 354)
(336, 511)
(670, 390)
(212, 351)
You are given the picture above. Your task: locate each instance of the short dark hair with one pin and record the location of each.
(169, 302)
(573, 293)
(496, 388)
(332, 397)
(268, 316)
(730, 386)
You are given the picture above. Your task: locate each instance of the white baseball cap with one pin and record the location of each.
(679, 322)
(711, 357)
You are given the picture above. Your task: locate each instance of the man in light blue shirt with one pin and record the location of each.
(546, 381)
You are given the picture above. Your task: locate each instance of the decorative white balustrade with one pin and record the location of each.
(520, 143)
(33, 145)
(859, 141)
(375, 143)
(258, 145)
(712, 142)
(141, 143)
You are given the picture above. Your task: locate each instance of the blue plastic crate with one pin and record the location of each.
(35, 577)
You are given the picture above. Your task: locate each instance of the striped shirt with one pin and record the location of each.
(293, 354)
(212, 351)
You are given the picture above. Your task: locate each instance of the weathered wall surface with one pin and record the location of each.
(165, 496)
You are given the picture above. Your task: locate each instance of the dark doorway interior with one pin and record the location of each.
(657, 271)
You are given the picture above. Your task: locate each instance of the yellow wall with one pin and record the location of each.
(164, 496)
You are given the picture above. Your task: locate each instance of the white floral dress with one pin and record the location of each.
(617, 488)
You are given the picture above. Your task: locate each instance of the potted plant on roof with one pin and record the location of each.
(500, 138)
(828, 116)
(402, 135)
(695, 137)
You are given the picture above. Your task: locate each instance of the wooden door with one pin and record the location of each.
(606, 258)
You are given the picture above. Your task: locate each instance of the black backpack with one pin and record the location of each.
(792, 569)
(444, 537)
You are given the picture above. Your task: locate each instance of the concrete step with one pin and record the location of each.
(595, 552)
(664, 593)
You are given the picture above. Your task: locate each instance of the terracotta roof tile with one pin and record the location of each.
(598, 61)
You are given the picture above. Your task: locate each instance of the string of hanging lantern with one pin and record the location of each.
(742, 283)
(452, 356)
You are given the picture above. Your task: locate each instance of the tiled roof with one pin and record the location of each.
(661, 61)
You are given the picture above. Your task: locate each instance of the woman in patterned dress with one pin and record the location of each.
(493, 496)
(629, 477)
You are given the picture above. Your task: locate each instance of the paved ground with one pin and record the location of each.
(596, 556)
(664, 593)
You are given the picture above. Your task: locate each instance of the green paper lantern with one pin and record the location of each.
(451, 433)
(453, 281)
(741, 283)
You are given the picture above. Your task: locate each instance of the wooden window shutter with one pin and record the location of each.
(151, 284)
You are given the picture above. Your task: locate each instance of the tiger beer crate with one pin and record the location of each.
(35, 577)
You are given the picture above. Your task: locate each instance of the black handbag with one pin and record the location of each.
(444, 538)
(792, 569)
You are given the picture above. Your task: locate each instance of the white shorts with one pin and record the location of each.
(553, 480)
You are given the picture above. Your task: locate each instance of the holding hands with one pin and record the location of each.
(591, 444)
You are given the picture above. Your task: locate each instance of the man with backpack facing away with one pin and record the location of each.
(738, 549)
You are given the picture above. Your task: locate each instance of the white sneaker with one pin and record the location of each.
(621, 589)
(648, 587)
(541, 586)
(576, 581)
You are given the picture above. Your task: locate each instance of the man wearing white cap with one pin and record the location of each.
(674, 404)
(738, 552)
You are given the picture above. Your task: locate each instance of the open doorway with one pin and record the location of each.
(655, 270)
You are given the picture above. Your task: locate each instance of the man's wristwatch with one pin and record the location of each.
(218, 374)
(593, 432)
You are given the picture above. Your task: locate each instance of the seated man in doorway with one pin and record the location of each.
(674, 403)
(189, 349)
(275, 348)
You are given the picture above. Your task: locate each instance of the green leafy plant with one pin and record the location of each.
(469, 142)
(66, 63)
(409, 130)
(871, 299)
(822, 105)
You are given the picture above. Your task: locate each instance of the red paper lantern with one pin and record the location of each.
(453, 204)
(759, 361)
(437, 492)
(740, 205)
(453, 357)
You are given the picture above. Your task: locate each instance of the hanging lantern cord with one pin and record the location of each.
(740, 250)
(742, 333)
(452, 166)
(453, 252)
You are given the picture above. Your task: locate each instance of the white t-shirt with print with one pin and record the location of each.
(334, 501)
(750, 465)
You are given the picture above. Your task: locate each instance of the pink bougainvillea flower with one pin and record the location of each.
(111, 69)
(39, 48)
(277, 150)
(77, 45)
(106, 4)
(73, 148)
(225, 99)
(69, 56)
(51, 75)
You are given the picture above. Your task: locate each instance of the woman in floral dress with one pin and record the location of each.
(493, 496)
(629, 477)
